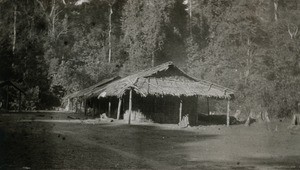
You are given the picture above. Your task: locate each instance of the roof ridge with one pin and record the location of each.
(169, 63)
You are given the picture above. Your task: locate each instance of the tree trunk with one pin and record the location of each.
(152, 60)
(248, 61)
(52, 17)
(276, 10)
(15, 29)
(109, 33)
(190, 14)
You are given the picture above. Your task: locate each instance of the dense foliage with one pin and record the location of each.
(56, 47)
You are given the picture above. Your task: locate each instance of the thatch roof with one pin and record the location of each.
(178, 88)
(165, 79)
(85, 92)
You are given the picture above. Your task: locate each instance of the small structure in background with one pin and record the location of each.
(296, 117)
(10, 96)
(295, 120)
(162, 94)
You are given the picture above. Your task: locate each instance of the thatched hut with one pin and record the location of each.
(162, 94)
(9, 91)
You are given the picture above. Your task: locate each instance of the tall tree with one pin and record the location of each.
(142, 24)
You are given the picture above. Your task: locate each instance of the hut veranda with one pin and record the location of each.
(162, 94)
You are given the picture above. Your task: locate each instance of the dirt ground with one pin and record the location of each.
(40, 141)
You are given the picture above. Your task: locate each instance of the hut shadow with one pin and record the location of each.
(218, 120)
(279, 162)
(165, 144)
(159, 143)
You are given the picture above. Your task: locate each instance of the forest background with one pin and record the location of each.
(54, 47)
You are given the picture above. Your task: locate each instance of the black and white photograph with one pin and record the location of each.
(150, 84)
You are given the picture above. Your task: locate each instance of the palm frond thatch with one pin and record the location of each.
(85, 92)
(165, 79)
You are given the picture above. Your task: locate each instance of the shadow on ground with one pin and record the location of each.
(282, 162)
(41, 145)
(115, 145)
(217, 120)
(155, 146)
(26, 145)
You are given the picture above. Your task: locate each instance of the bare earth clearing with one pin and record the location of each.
(72, 145)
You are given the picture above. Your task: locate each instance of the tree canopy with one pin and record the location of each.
(57, 47)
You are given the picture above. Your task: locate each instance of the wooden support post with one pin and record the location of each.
(99, 107)
(6, 97)
(94, 108)
(76, 106)
(68, 105)
(81, 104)
(207, 100)
(20, 99)
(119, 108)
(72, 104)
(109, 108)
(85, 106)
(130, 106)
(198, 106)
(155, 103)
(180, 110)
(228, 110)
